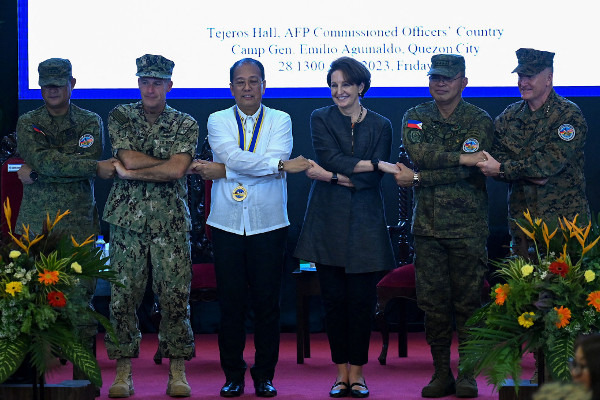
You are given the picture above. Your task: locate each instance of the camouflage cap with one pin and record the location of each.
(446, 65)
(154, 66)
(532, 62)
(55, 72)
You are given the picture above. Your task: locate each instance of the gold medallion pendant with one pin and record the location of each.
(239, 193)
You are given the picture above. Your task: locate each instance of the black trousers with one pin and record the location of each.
(349, 301)
(249, 266)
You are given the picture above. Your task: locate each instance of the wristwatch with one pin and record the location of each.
(416, 179)
(280, 166)
(334, 179)
(501, 173)
(33, 175)
(375, 163)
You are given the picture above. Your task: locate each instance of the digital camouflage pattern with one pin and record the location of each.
(451, 201)
(171, 269)
(151, 221)
(546, 143)
(448, 65)
(55, 72)
(150, 206)
(63, 151)
(153, 66)
(449, 282)
(532, 62)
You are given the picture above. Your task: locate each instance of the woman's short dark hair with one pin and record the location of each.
(590, 346)
(354, 71)
(239, 63)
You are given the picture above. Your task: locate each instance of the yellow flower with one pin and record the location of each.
(589, 275)
(76, 267)
(14, 287)
(526, 270)
(14, 254)
(526, 319)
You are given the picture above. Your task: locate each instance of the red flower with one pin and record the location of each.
(559, 268)
(57, 299)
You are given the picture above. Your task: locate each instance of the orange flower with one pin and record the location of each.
(57, 299)
(7, 213)
(90, 239)
(564, 315)
(559, 268)
(49, 224)
(48, 277)
(594, 300)
(502, 294)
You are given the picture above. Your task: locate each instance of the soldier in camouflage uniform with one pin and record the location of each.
(149, 220)
(443, 139)
(538, 149)
(61, 144)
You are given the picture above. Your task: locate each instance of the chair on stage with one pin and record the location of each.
(12, 188)
(397, 284)
(204, 281)
(400, 284)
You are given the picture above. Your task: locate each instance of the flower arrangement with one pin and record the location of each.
(41, 302)
(544, 304)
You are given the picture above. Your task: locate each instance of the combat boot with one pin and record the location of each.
(442, 382)
(178, 385)
(123, 384)
(466, 386)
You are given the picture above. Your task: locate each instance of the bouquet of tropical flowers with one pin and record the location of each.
(543, 306)
(41, 302)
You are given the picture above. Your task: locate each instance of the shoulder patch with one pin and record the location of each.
(471, 145)
(414, 136)
(411, 123)
(566, 132)
(118, 116)
(86, 141)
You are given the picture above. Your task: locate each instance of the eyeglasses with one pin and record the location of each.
(443, 79)
(576, 368)
(252, 82)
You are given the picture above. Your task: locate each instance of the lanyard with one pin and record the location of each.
(255, 131)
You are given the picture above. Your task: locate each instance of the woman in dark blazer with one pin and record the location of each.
(345, 231)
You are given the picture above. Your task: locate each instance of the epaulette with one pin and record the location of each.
(118, 116)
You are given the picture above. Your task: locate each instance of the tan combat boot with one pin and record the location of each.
(123, 384)
(178, 385)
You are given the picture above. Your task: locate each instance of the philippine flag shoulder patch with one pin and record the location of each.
(412, 123)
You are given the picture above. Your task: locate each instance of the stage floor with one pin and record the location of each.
(401, 378)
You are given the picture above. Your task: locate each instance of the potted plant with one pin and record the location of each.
(41, 303)
(544, 304)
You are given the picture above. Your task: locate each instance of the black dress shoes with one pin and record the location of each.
(232, 389)
(359, 390)
(339, 389)
(265, 388)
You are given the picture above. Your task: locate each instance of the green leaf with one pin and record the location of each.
(83, 359)
(557, 358)
(12, 354)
